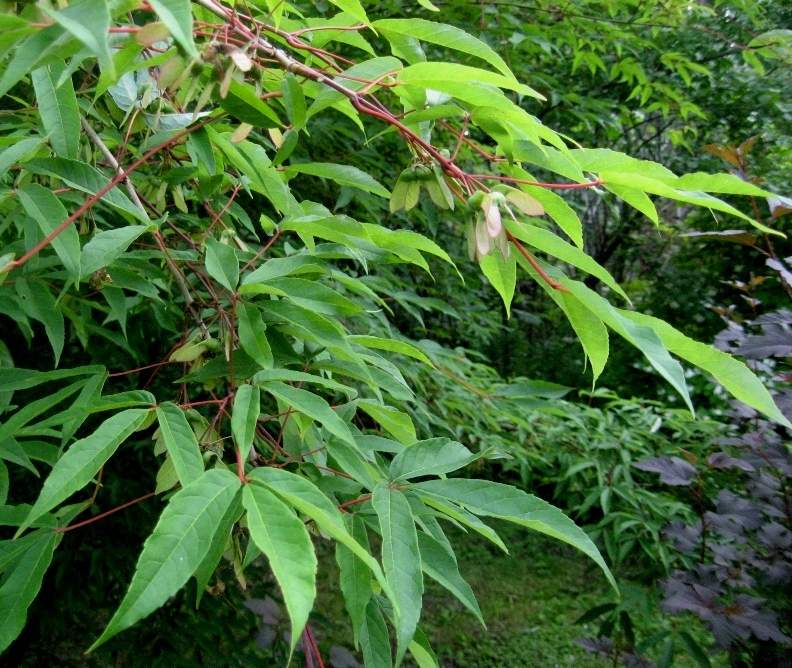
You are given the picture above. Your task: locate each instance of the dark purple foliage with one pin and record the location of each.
(672, 470)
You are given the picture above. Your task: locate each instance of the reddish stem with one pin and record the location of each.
(241, 468)
(105, 514)
(555, 186)
(552, 283)
(313, 646)
(360, 499)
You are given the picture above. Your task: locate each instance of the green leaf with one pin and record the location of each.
(25, 379)
(176, 548)
(222, 263)
(293, 100)
(345, 175)
(35, 408)
(306, 497)
(641, 336)
(89, 402)
(251, 161)
(285, 266)
(441, 566)
(493, 499)
(22, 585)
(14, 153)
(557, 208)
(636, 199)
(657, 187)
(11, 451)
(434, 456)
(89, 180)
(89, 22)
(308, 294)
(369, 70)
(374, 640)
(397, 241)
(4, 483)
(180, 442)
(177, 17)
(727, 184)
(244, 419)
(419, 648)
(394, 421)
(38, 303)
(502, 274)
(401, 559)
(353, 8)
(217, 547)
(106, 247)
(552, 244)
(282, 536)
(58, 109)
(352, 462)
(443, 35)
(78, 465)
(302, 377)
(243, 103)
(392, 345)
(252, 334)
(590, 330)
(453, 79)
(47, 210)
(355, 577)
(33, 50)
(11, 550)
(737, 378)
(313, 406)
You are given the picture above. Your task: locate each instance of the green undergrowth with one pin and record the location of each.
(530, 599)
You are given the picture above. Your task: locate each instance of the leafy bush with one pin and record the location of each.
(163, 233)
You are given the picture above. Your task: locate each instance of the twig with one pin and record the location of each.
(108, 154)
(103, 515)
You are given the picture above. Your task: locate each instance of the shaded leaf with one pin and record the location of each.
(374, 640)
(180, 442)
(483, 497)
(78, 465)
(282, 536)
(735, 236)
(176, 548)
(47, 210)
(355, 576)
(106, 247)
(344, 175)
(313, 406)
(22, 585)
(431, 457)
(401, 559)
(222, 263)
(58, 109)
(244, 418)
(440, 565)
